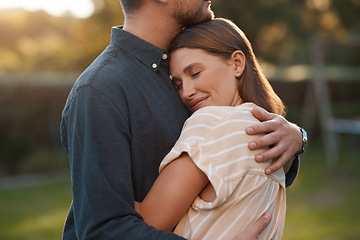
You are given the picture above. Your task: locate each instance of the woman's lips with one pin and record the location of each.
(196, 104)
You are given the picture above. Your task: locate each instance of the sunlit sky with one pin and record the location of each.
(78, 8)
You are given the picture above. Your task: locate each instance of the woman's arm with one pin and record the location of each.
(173, 192)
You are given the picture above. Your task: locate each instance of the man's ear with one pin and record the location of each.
(239, 60)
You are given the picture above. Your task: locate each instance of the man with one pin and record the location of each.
(123, 115)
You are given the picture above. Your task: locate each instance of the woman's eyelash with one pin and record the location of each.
(195, 74)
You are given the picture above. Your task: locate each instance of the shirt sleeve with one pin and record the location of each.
(293, 172)
(96, 138)
(193, 134)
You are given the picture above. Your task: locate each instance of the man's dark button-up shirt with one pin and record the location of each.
(122, 117)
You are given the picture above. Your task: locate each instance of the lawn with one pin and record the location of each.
(35, 209)
(321, 204)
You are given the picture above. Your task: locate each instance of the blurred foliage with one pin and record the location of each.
(278, 29)
(29, 127)
(37, 41)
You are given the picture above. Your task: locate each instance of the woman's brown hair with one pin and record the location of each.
(222, 37)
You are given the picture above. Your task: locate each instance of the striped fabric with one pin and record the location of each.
(215, 139)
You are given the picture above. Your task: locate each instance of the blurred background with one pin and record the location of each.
(308, 49)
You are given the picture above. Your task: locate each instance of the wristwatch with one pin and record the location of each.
(304, 142)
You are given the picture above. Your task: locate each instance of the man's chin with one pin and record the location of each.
(206, 17)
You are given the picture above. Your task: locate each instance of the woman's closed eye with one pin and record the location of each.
(195, 74)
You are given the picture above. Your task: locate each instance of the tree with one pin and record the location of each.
(280, 29)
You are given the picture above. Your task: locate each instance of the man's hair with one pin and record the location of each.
(222, 37)
(129, 6)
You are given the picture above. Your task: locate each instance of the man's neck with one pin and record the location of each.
(156, 30)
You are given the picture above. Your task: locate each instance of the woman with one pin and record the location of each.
(210, 186)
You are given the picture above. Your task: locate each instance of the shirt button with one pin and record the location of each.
(164, 56)
(154, 65)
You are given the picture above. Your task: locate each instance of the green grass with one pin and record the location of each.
(35, 211)
(323, 203)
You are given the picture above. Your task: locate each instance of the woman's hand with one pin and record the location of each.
(252, 232)
(284, 138)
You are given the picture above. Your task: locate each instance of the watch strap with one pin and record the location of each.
(304, 142)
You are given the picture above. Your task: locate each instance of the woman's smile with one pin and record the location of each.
(198, 103)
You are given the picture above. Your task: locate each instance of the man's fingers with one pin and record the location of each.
(252, 232)
(279, 163)
(261, 114)
(271, 153)
(264, 141)
(261, 223)
(263, 127)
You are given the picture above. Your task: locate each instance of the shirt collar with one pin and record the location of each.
(145, 52)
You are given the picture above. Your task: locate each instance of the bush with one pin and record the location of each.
(29, 126)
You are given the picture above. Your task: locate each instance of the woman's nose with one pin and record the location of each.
(188, 90)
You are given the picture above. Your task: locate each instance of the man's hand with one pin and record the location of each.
(252, 232)
(284, 137)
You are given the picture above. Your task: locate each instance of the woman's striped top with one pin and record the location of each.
(215, 138)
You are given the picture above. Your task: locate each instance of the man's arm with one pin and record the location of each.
(285, 137)
(97, 139)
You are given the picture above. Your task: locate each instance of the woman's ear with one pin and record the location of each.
(239, 61)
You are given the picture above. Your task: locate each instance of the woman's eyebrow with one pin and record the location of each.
(188, 68)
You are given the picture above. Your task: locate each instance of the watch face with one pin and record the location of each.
(304, 138)
(304, 142)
